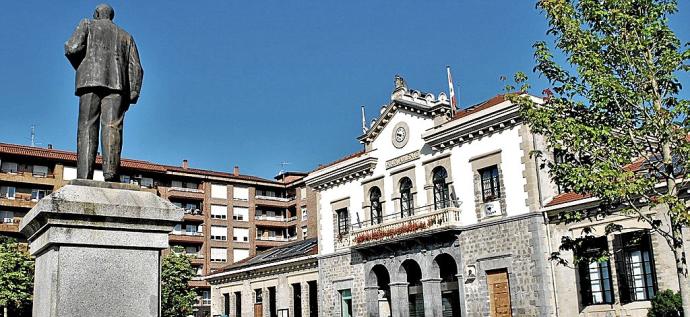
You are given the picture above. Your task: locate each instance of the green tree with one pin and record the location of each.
(177, 297)
(614, 99)
(16, 276)
(666, 304)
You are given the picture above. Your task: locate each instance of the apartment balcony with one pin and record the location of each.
(183, 192)
(195, 215)
(19, 201)
(28, 178)
(10, 224)
(271, 201)
(424, 222)
(198, 282)
(272, 241)
(275, 221)
(186, 237)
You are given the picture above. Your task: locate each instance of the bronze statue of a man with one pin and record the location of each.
(109, 77)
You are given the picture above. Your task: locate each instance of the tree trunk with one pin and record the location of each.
(681, 270)
(5, 312)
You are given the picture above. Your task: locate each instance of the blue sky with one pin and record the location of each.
(258, 83)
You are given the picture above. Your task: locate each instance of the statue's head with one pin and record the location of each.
(104, 11)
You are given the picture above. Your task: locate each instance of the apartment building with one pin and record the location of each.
(228, 216)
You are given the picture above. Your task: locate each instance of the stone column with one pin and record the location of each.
(305, 299)
(400, 306)
(433, 305)
(265, 302)
(371, 295)
(98, 249)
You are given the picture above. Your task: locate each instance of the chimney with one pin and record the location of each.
(50, 146)
(236, 171)
(185, 164)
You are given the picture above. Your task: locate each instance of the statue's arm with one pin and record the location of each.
(75, 47)
(136, 73)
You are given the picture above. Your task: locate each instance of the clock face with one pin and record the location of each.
(401, 134)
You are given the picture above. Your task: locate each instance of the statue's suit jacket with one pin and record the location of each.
(105, 56)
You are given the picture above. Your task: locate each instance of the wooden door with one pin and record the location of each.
(499, 293)
(258, 310)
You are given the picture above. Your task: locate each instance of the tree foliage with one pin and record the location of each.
(614, 112)
(16, 275)
(177, 297)
(666, 303)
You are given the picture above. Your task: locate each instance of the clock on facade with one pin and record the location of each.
(401, 134)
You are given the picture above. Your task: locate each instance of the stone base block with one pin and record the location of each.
(97, 247)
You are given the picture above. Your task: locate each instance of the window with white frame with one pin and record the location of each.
(38, 194)
(8, 192)
(240, 193)
(219, 211)
(240, 213)
(219, 254)
(219, 233)
(6, 216)
(303, 193)
(304, 232)
(219, 191)
(240, 234)
(239, 254)
(69, 173)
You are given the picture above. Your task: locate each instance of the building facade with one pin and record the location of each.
(228, 216)
(279, 282)
(439, 215)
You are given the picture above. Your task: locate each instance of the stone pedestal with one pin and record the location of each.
(98, 249)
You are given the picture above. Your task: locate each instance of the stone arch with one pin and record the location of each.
(378, 292)
(412, 272)
(445, 268)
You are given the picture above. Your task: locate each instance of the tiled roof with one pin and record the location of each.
(66, 156)
(279, 253)
(566, 198)
(353, 155)
(480, 106)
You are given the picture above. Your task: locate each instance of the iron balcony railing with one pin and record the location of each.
(419, 220)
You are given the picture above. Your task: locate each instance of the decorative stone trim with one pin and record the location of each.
(355, 170)
(459, 132)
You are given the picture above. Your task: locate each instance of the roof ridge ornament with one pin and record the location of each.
(400, 87)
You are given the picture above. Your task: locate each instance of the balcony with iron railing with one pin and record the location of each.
(422, 221)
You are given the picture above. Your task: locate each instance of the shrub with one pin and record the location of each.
(666, 303)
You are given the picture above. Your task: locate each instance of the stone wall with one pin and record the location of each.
(566, 278)
(338, 272)
(514, 244)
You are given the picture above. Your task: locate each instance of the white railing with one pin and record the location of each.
(283, 239)
(281, 199)
(186, 190)
(275, 218)
(423, 219)
(8, 220)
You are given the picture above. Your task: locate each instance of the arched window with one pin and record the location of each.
(406, 202)
(376, 208)
(441, 197)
